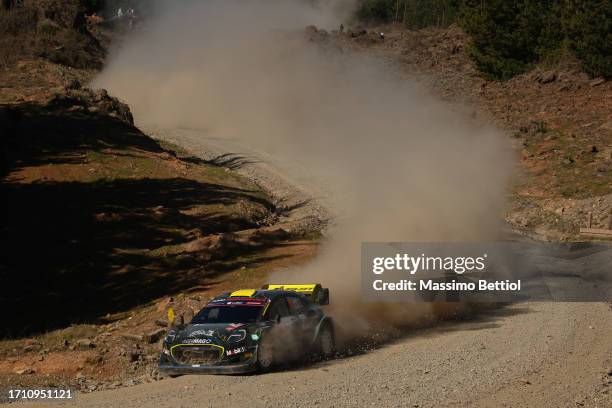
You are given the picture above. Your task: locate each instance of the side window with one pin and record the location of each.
(296, 305)
(278, 308)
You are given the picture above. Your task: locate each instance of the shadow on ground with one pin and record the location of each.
(32, 135)
(75, 251)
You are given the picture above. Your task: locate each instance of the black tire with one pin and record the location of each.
(265, 355)
(327, 341)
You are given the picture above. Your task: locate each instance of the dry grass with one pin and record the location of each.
(568, 166)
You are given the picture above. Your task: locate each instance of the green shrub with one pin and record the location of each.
(428, 13)
(376, 10)
(589, 26)
(413, 13)
(508, 37)
(504, 34)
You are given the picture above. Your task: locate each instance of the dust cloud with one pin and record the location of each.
(400, 165)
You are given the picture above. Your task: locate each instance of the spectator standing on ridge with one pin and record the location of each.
(382, 37)
(131, 17)
(120, 13)
(341, 28)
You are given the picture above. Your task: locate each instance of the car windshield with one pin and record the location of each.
(227, 314)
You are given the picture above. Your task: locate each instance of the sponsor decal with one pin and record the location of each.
(198, 341)
(239, 302)
(236, 351)
(207, 333)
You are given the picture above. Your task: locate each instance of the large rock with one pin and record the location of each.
(155, 335)
(97, 101)
(85, 344)
(547, 77)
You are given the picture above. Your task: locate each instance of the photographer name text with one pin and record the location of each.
(431, 285)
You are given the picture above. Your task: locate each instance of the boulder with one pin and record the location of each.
(155, 335)
(547, 77)
(85, 344)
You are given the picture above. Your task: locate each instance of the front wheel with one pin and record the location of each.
(327, 342)
(265, 354)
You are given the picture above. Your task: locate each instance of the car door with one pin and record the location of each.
(284, 331)
(306, 315)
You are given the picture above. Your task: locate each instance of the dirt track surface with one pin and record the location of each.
(526, 355)
(302, 201)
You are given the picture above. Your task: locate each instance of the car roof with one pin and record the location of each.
(252, 297)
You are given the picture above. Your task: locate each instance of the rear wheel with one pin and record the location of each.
(327, 342)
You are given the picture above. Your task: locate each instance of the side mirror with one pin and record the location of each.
(323, 296)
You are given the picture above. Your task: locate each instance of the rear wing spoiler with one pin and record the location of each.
(315, 291)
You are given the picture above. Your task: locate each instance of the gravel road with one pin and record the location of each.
(523, 355)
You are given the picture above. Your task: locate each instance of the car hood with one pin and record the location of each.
(208, 333)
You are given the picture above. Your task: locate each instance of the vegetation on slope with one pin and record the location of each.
(508, 37)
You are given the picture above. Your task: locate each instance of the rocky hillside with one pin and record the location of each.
(106, 227)
(559, 118)
(56, 31)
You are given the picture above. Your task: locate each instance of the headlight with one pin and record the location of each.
(238, 335)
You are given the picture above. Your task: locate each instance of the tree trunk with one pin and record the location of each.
(397, 11)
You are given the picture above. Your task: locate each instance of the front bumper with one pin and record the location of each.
(169, 366)
(178, 369)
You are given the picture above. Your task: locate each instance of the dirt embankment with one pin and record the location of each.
(104, 223)
(108, 228)
(559, 118)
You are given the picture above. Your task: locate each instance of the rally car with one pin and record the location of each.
(250, 330)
